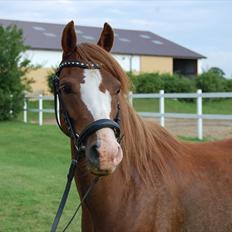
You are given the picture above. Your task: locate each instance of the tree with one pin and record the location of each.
(13, 67)
(217, 71)
(211, 81)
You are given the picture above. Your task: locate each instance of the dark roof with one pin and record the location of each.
(47, 36)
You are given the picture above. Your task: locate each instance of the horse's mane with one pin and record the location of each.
(146, 145)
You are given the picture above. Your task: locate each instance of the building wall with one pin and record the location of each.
(44, 58)
(128, 62)
(39, 78)
(156, 64)
(50, 59)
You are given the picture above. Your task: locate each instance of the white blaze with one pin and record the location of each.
(97, 102)
(99, 105)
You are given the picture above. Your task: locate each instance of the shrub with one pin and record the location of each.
(147, 83)
(154, 82)
(178, 84)
(211, 82)
(228, 86)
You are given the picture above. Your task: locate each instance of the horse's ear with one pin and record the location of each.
(69, 38)
(106, 39)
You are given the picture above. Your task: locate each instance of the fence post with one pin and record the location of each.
(130, 98)
(161, 108)
(25, 110)
(199, 115)
(40, 109)
(11, 99)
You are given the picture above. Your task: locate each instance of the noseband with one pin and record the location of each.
(79, 140)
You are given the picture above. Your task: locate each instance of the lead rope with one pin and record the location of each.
(93, 183)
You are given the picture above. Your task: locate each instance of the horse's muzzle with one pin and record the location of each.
(104, 153)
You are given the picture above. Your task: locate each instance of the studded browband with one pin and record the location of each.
(75, 63)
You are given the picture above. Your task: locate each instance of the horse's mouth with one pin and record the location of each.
(99, 172)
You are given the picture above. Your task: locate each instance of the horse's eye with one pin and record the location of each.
(67, 89)
(118, 91)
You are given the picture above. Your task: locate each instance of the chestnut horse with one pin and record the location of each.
(152, 181)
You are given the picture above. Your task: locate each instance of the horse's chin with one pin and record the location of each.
(99, 172)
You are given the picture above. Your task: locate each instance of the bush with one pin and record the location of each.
(148, 83)
(13, 67)
(228, 87)
(178, 84)
(211, 82)
(154, 82)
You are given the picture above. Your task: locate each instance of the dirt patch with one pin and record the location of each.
(218, 129)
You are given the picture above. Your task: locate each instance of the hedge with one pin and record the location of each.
(153, 82)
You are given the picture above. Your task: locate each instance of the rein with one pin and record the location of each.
(78, 139)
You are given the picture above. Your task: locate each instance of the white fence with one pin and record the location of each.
(40, 110)
(199, 116)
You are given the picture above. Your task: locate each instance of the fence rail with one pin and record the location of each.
(199, 116)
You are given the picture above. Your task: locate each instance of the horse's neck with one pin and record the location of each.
(105, 200)
(108, 184)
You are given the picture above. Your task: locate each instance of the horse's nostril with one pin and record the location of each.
(94, 154)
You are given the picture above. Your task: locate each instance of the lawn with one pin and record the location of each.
(222, 106)
(33, 165)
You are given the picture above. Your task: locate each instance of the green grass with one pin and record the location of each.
(33, 165)
(194, 139)
(223, 106)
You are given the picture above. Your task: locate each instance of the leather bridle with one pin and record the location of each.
(78, 139)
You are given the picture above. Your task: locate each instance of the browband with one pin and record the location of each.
(77, 63)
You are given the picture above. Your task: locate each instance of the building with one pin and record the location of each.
(136, 51)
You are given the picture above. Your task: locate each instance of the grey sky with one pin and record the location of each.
(203, 26)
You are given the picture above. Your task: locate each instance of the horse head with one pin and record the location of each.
(90, 93)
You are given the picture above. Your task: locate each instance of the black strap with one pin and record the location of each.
(65, 195)
(95, 180)
(67, 119)
(97, 125)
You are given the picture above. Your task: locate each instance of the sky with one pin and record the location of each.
(204, 26)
